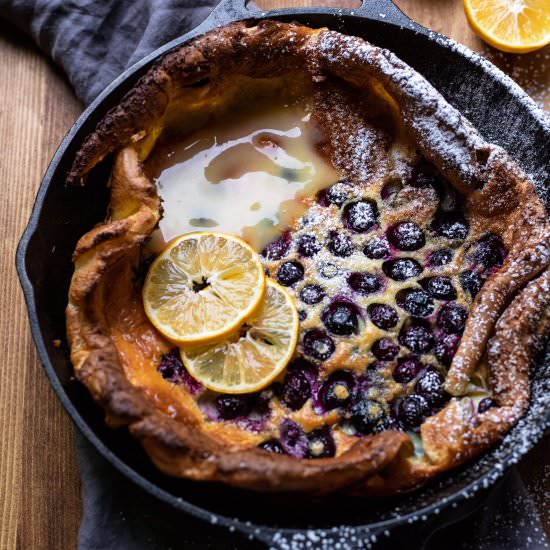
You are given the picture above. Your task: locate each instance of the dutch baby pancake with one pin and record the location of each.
(388, 268)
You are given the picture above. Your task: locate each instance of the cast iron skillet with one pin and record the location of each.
(502, 113)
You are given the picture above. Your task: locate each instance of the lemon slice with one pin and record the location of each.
(250, 359)
(517, 26)
(202, 287)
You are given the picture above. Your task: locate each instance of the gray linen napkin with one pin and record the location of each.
(95, 40)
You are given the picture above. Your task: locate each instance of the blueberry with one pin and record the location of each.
(489, 251)
(273, 446)
(296, 388)
(485, 404)
(259, 402)
(452, 318)
(415, 301)
(406, 236)
(293, 439)
(407, 369)
(365, 415)
(401, 269)
(412, 410)
(230, 407)
(336, 194)
(445, 348)
(340, 245)
(290, 273)
(385, 349)
(471, 282)
(440, 287)
(308, 245)
(278, 248)
(417, 338)
(453, 226)
(383, 316)
(302, 315)
(377, 249)
(312, 294)
(440, 257)
(171, 366)
(341, 318)
(318, 344)
(321, 443)
(337, 390)
(430, 387)
(364, 283)
(360, 216)
(387, 423)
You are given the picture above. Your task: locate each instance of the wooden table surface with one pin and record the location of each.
(40, 504)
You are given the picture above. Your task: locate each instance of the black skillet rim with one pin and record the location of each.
(232, 10)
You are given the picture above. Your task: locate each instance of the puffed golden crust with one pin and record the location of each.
(506, 324)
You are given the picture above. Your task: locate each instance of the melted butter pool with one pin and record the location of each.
(249, 174)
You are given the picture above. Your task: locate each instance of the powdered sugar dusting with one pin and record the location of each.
(540, 121)
(442, 133)
(530, 72)
(534, 110)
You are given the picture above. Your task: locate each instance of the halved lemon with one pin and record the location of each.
(516, 26)
(256, 354)
(202, 287)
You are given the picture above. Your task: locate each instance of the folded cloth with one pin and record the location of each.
(94, 41)
(119, 515)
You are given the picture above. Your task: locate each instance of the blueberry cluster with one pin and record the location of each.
(485, 256)
(430, 320)
(341, 391)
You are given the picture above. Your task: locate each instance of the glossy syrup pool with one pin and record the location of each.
(248, 173)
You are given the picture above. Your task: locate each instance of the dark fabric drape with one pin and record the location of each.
(95, 40)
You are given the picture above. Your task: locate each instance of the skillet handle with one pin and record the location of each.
(384, 10)
(227, 11)
(380, 10)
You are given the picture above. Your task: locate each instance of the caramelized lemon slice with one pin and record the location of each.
(251, 358)
(517, 26)
(202, 287)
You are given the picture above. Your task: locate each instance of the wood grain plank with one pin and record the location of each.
(39, 483)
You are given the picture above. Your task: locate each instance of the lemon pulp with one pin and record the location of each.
(516, 26)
